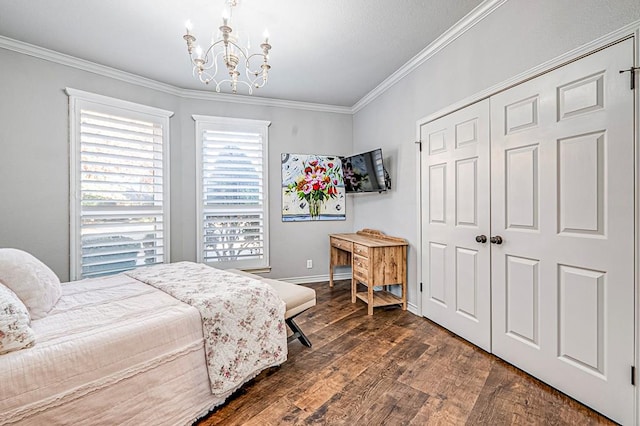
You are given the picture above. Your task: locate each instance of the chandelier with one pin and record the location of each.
(225, 54)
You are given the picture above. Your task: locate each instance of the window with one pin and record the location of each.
(232, 208)
(119, 185)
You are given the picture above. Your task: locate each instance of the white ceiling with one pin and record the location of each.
(330, 52)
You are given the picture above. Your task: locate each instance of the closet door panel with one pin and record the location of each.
(455, 210)
(562, 195)
(522, 282)
(521, 188)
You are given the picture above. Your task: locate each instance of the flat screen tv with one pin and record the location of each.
(365, 172)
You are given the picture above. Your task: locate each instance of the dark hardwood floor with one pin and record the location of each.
(390, 369)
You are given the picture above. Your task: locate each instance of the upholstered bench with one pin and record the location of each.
(297, 299)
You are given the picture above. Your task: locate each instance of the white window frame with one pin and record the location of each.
(203, 123)
(79, 100)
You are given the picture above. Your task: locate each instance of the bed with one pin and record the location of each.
(118, 350)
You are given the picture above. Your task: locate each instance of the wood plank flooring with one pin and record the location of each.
(393, 368)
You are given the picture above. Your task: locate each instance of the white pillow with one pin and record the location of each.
(15, 332)
(37, 286)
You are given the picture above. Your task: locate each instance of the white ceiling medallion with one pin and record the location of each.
(227, 55)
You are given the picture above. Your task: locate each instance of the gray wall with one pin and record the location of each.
(34, 163)
(518, 36)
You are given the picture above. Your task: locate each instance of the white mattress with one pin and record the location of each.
(112, 351)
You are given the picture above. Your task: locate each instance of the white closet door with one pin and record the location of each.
(562, 190)
(455, 210)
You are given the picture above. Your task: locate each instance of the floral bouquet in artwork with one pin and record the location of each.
(317, 182)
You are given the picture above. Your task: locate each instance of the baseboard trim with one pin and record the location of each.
(316, 278)
(413, 308)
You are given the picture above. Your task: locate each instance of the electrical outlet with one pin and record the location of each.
(309, 263)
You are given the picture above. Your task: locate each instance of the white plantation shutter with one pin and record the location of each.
(119, 185)
(232, 186)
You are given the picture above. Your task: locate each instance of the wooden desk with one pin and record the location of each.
(376, 260)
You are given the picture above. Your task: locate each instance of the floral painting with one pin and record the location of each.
(312, 188)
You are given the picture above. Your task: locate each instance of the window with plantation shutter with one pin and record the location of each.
(119, 185)
(232, 188)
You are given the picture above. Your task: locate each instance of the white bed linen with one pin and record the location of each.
(112, 351)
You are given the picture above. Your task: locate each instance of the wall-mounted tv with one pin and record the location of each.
(365, 172)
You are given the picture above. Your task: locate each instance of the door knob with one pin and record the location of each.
(496, 240)
(481, 238)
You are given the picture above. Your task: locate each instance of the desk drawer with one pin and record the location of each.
(342, 244)
(360, 267)
(360, 275)
(360, 262)
(361, 250)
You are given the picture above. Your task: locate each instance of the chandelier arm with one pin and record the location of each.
(208, 57)
(231, 82)
(264, 60)
(203, 63)
(204, 75)
(256, 85)
(240, 48)
(253, 77)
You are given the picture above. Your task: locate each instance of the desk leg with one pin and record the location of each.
(404, 294)
(354, 288)
(370, 298)
(332, 260)
(330, 274)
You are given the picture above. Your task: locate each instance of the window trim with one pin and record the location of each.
(77, 99)
(202, 123)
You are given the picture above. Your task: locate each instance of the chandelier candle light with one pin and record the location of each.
(225, 48)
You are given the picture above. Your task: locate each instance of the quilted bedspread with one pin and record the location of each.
(242, 318)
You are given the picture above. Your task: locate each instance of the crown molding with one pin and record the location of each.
(462, 26)
(103, 70)
(256, 100)
(483, 10)
(628, 31)
(84, 65)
